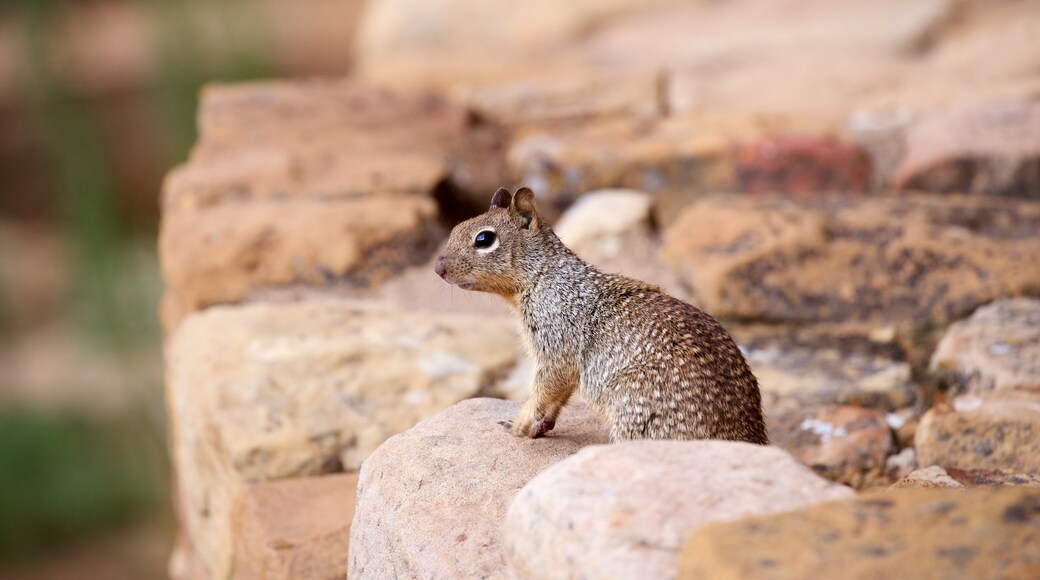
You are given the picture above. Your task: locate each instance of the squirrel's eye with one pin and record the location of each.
(484, 239)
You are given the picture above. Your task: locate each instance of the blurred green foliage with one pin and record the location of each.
(62, 476)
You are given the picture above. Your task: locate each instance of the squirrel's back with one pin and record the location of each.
(663, 369)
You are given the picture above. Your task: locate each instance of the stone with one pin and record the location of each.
(611, 229)
(925, 258)
(623, 510)
(799, 377)
(604, 214)
(225, 253)
(550, 101)
(903, 533)
(681, 158)
(305, 183)
(453, 42)
(781, 84)
(990, 150)
(934, 476)
(844, 444)
(997, 347)
(431, 500)
(294, 528)
(269, 391)
(998, 430)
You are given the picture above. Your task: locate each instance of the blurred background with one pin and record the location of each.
(97, 102)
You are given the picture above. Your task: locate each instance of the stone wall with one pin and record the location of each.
(838, 217)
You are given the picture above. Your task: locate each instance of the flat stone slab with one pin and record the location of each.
(304, 183)
(898, 534)
(914, 258)
(934, 476)
(680, 159)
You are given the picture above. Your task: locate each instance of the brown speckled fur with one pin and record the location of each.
(653, 366)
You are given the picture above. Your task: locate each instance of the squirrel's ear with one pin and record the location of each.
(523, 208)
(502, 198)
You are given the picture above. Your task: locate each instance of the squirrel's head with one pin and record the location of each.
(497, 251)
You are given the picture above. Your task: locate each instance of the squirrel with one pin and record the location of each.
(652, 366)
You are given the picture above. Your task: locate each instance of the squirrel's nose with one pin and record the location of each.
(441, 268)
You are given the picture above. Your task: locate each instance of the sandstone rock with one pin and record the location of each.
(458, 41)
(604, 214)
(801, 376)
(781, 83)
(622, 511)
(699, 35)
(681, 158)
(270, 391)
(443, 42)
(844, 444)
(900, 534)
(224, 253)
(991, 149)
(998, 347)
(549, 101)
(304, 183)
(431, 500)
(923, 258)
(934, 476)
(294, 528)
(611, 229)
(999, 430)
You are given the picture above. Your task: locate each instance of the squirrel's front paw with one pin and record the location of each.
(533, 425)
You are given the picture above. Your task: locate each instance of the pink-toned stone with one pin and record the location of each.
(294, 528)
(992, 149)
(431, 501)
(844, 444)
(623, 510)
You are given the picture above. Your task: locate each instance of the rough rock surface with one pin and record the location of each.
(998, 347)
(681, 158)
(623, 510)
(924, 258)
(993, 150)
(294, 528)
(438, 42)
(999, 430)
(549, 101)
(934, 476)
(844, 444)
(898, 534)
(798, 376)
(306, 182)
(431, 500)
(268, 391)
